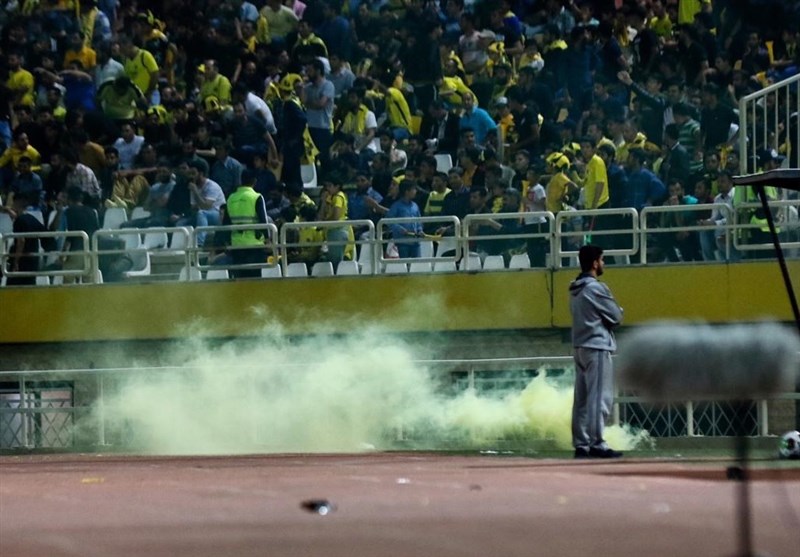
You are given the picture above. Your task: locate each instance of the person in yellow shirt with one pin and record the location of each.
(595, 182)
(20, 148)
(79, 51)
(397, 110)
(140, 66)
(20, 81)
(280, 19)
(215, 84)
(333, 207)
(560, 186)
(687, 9)
(660, 23)
(453, 88)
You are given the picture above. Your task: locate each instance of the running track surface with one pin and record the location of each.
(387, 504)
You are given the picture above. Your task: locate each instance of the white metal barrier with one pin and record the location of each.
(665, 210)
(24, 412)
(204, 259)
(55, 269)
(475, 233)
(573, 228)
(442, 246)
(630, 233)
(784, 222)
(760, 117)
(365, 240)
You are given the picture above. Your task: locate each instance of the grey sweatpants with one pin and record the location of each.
(594, 397)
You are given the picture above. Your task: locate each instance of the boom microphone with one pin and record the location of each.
(667, 361)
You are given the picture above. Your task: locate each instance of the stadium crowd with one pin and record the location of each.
(397, 108)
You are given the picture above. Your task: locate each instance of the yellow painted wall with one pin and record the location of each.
(162, 310)
(438, 302)
(713, 293)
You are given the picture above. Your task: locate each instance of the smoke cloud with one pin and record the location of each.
(327, 394)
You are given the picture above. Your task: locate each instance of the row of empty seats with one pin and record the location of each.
(350, 268)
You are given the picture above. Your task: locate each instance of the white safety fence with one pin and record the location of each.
(770, 119)
(49, 409)
(480, 243)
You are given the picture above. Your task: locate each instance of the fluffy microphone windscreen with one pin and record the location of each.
(667, 361)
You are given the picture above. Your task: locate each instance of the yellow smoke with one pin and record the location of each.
(325, 394)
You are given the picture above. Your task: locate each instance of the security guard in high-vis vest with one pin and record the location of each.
(759, 234)
(246, 206)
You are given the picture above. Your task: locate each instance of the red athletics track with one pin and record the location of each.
(388, 504)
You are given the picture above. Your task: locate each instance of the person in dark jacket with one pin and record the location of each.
(595, 315)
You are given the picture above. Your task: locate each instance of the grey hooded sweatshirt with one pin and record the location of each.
(595, 314)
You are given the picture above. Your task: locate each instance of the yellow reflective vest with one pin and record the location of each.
(242, 210)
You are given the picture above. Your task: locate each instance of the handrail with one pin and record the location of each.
(375, 237)
(664, 209)
(367, 241)
(559, 252)
(270, 243)
(85, 253)
(385, 223)
(548, 235)
(745, 135)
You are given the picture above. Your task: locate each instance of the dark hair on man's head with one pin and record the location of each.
(74, 194)
(405, 186)
(608, 151)
(672, 131)
(587, 255)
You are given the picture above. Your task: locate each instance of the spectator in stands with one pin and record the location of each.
(281, 21)
(595, 177)
(683, 245)
(716, 120)
(20, 82)
(156, 203)
(128, 145)
(119, 98)
(23, 252)
(689, 135)
(702, 192)
(719, 218)
(9, 160)
(676, 164)
(226, 170)
(215, 87)
(140, 67)
(107, 68)
(73, 216)
(360, 122)
(27, 184)
(207, 198)
(295, 128)
(341, 75)
(479, 121)
(405, 207)
(363, 202)
(647, 189)
(333, 207)
(440, 129)
(388, 144)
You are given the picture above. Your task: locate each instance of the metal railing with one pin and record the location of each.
(714, 229)
(49, 409)
(365, 239)
(573, 227)
(442, 244)
(55, 268)
(622, 232)
(760, 116)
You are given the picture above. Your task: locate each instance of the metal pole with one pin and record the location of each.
(787, 280)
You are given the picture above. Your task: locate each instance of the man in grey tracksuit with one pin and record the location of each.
(595, 315)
